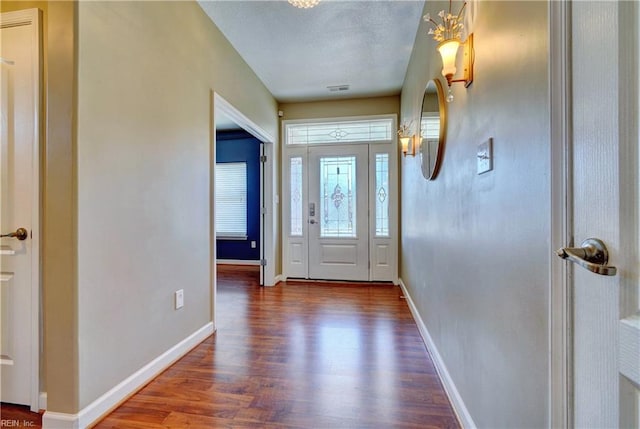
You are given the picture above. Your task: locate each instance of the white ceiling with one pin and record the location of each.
(297, 53)
(225, 123)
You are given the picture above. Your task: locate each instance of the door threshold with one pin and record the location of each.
(327, 282)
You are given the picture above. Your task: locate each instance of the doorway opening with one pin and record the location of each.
(225, 113)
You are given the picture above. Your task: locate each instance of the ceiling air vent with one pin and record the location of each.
(338, 88)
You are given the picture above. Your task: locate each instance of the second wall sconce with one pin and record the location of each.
(449, 33)
(408, 145)
(407, 140)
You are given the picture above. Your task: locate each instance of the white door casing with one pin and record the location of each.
(339, 228)
(601, 313)
(561, 233)
(269, 198)
(20, 197)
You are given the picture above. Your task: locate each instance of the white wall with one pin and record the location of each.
(475, 248)
(145, 75)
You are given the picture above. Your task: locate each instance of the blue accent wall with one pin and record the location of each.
(240, 146)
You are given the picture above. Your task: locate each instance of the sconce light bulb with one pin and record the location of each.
(404, 141)
(449, 96)
(448, 50)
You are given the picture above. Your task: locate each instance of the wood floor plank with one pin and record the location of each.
(135, 412)
(18, 416)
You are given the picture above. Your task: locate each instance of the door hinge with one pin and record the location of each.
(263, 262)
(263, 158)
(263, 210)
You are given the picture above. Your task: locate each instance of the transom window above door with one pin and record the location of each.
(375, 130)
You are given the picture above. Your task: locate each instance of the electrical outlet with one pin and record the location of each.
(179, 298)
(253, 244)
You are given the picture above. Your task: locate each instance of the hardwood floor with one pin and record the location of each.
(19, 416)
(298, 355)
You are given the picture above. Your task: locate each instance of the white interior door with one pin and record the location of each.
(338, 209)
(606, 315)
(19, 197)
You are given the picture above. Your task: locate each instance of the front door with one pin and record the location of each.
(19, 199)
(338, 212)
(340, 199)
(606, 309)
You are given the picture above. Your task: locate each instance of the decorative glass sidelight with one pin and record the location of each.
(382, 195)
(338, 196)
(296, 196)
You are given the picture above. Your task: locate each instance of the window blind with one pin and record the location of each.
(430, 126)
(231, 200)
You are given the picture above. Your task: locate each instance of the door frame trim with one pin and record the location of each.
(33, 18)
(560, 297)
(270, 167)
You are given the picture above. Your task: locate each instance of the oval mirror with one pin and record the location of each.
(433, 128)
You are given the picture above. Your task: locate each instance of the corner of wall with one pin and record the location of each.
(460, 409)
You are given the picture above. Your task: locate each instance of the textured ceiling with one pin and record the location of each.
(298, 53)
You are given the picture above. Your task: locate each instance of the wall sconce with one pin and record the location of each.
(448, 33)
(407, 140)
(449, 51)
(408, 145)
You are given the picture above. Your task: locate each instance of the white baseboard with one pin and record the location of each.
(279, 278)
(452, 392)
(51, 420)
(276, 280)
(236, 262)
(98, 408)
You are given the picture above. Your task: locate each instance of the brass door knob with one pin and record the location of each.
(20, 234)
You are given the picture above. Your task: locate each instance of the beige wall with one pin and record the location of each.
(145, 71)
(339, 108)
(135, 190)
(475, 248)
(430, 103)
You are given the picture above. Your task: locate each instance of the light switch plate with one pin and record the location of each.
(179, 295)
(485, 156)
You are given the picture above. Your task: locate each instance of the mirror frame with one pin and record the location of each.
(442, 112)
